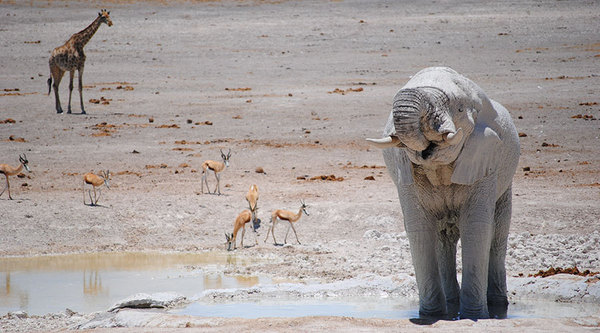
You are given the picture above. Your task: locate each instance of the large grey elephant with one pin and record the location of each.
(452, 153)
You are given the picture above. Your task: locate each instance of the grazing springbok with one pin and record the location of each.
(216, 167)
(252, 198)
(69, 57)
(95, 181)
(286, 215)
(8, 170)
(240, 223)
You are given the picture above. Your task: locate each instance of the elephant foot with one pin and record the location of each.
(453, 307)
(498, 309)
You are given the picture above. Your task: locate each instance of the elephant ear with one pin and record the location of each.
(398, 164)
(479, 157)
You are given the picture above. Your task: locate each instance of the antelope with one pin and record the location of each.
(216, 167)
(8, 170)
(286, 215)
(252, 198)
(240, 222)
(95, 181)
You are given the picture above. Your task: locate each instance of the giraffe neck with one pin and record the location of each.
(84, 36)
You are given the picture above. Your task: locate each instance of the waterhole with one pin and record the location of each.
(366, 307)
(94, 282)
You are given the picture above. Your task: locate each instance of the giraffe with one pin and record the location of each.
(70, 57)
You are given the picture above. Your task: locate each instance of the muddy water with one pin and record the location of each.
(94, 282)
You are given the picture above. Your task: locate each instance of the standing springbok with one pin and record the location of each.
(286, 215)
(95, 181)
(240, 223)
(252, 198)
(8, 170)
(216, 167)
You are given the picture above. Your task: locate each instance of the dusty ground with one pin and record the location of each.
(264, 79)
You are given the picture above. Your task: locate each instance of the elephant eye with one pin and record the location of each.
(460, 110)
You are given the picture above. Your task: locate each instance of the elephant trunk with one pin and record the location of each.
(421, 115)
(410, 106)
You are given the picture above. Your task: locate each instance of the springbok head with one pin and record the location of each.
(303, 207)
(24, 161)
(229, 241)
(106, 175)
(226, 157)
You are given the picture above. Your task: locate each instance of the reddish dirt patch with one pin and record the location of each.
(572, 270)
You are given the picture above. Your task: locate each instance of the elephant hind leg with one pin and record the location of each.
(496, 291)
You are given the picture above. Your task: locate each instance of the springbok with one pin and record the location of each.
(286, 215)
(8, 170)
(252, 198)
(240, 223)
(95, 181)
(216, 167)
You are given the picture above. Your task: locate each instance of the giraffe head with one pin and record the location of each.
(104, 17)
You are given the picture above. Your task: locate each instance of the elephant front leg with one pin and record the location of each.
(421, 230)
(432, 301)
(448, 238)
(476, 229)
(496, 291)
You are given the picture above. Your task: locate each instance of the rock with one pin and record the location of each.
(144, 301)
(18, 314)
(372, 234)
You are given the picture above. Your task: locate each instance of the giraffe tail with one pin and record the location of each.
(49, 85)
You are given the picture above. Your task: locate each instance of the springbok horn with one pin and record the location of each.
(454, 138)
(386, 142)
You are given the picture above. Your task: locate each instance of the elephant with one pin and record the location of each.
(452, 153)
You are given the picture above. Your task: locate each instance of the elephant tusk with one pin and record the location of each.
(386, 142)
(454, 138)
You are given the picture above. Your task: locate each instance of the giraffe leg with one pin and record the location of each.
(81, 89)
(71, 76)
(57, 75)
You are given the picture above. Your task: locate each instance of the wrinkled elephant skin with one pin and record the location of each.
(452, 153)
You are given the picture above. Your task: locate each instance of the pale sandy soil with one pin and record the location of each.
(185, 62)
